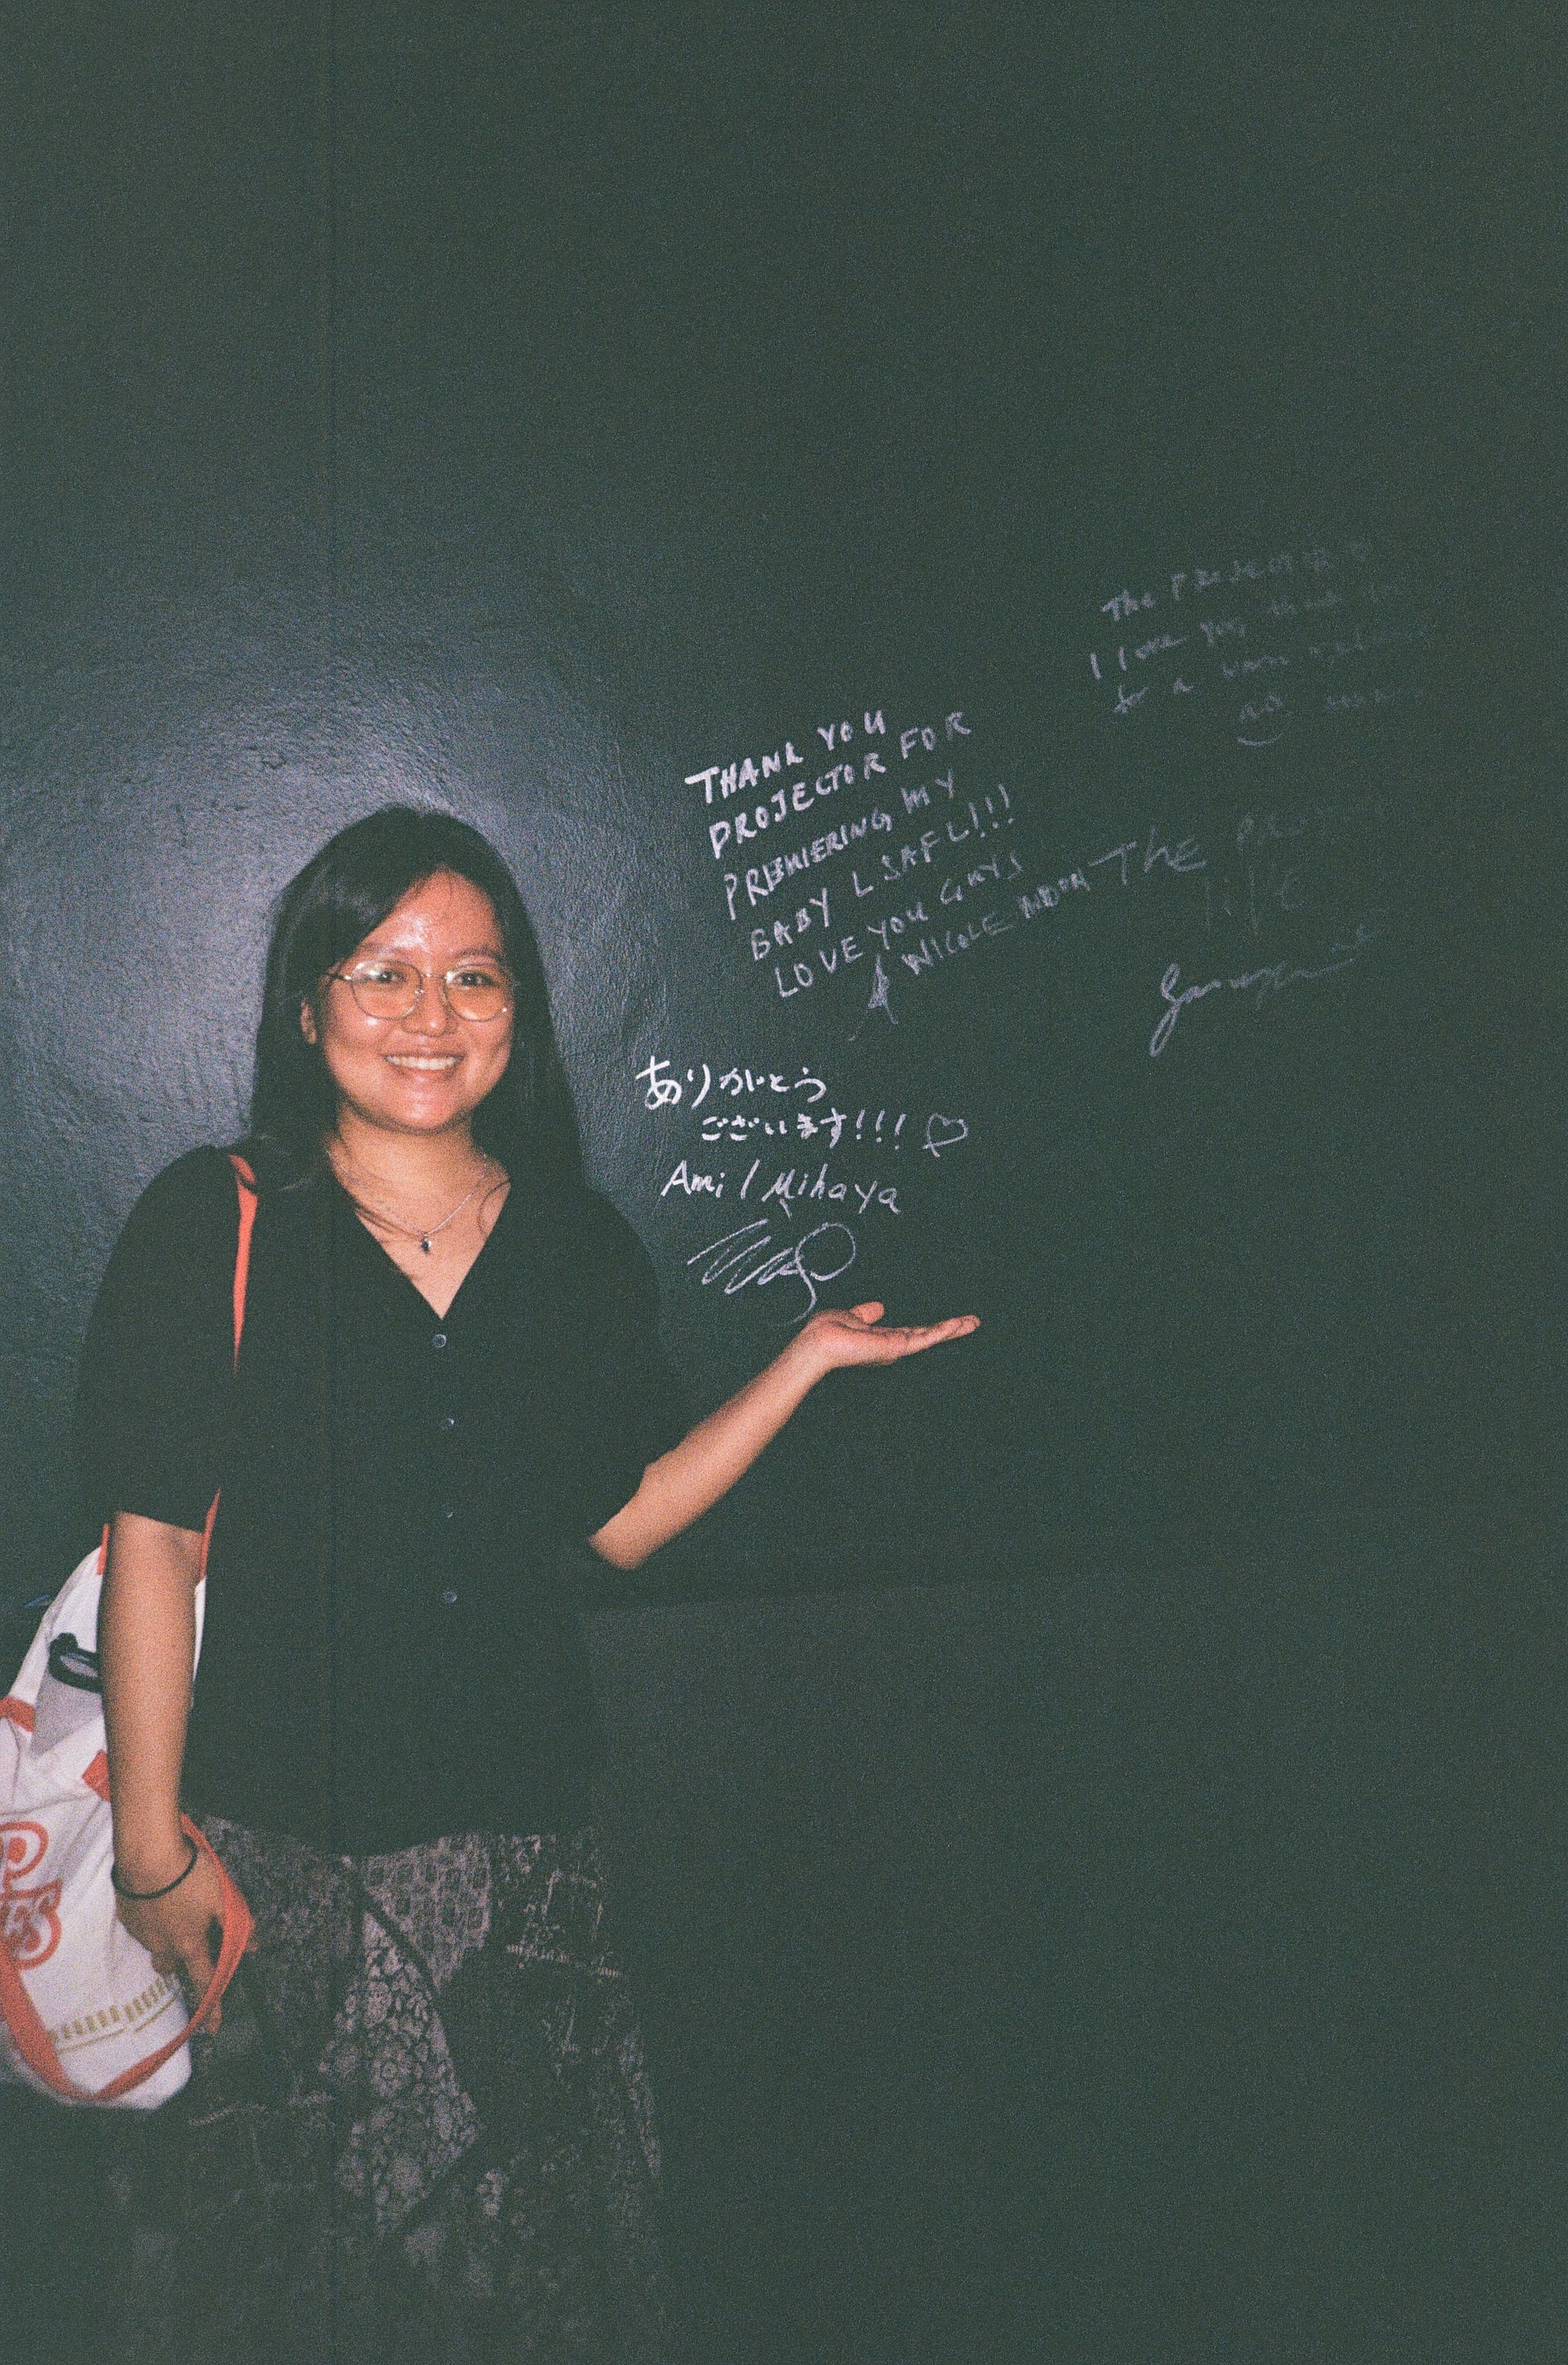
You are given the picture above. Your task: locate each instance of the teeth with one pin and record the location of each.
(431, 1067)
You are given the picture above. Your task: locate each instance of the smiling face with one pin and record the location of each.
(427, 1072)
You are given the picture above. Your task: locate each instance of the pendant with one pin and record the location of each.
(426, 1246)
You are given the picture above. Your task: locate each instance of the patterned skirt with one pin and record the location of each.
(423, 2132)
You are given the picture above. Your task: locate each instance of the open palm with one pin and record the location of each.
(841, 1336)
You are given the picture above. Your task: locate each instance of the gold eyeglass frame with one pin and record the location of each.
(443, 978)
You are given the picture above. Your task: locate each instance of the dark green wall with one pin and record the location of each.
(1055, 1801)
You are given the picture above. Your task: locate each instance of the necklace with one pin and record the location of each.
(423, 1233)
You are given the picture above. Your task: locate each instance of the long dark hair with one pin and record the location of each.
(527, 1120)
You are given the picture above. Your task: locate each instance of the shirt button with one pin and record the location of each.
(439, 1339)
(449, 1420)
(450, 1596)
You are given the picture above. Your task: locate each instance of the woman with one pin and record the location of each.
(433, 2138)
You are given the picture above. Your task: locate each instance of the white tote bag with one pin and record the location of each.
(84, 2014)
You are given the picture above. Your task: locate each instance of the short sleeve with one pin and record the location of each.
(633, 1407)
(154, 1398)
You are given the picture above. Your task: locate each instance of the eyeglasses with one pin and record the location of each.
(477, 990)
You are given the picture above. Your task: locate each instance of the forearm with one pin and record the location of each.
(690, 1479)
(685, 1482)
(147, 1648)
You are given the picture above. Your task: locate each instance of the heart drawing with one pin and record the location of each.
(941, 1132)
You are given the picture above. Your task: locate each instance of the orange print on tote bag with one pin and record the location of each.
(86, 2016)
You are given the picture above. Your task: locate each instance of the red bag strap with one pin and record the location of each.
(32, 2039)
(248, 1202)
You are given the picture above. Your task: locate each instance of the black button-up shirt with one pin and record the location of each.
(390, 1651)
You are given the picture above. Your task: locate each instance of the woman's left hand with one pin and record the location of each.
(681, 1484)
(838, 1335)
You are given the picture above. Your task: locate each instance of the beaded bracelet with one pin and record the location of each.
(145, 1896)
